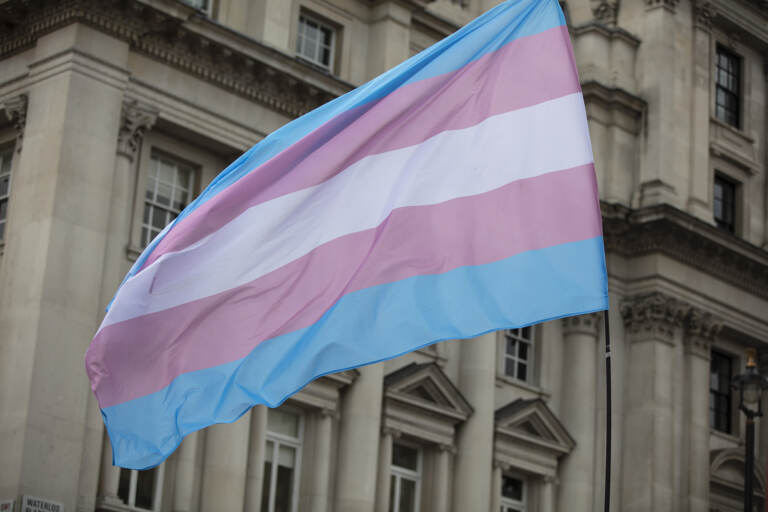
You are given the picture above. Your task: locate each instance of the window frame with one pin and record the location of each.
(732, 361)
(510, 504)
(277, 440)
(399, 473)
(531, 357)
(207, 8)
(9, 149)
(735, 185)
(157, 498)
(737, 93)
(159, 156)
(322, 23)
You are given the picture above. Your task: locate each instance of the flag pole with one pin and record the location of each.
(607, 413)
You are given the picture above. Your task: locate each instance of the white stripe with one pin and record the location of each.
(524, 143)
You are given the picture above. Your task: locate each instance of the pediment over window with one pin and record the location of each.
(421, 401)
(325, 392)
(529, 436)
(727, 479)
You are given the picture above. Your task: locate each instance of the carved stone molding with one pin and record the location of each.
(16, 111)
(172, 40)
(393, 432)
(606, 11)
(666, 230)
(701, 329)
(325, 412)
(703, 13)
(135, 120)
(582, 324)
(447, 448)
(670, 5)
(550, 479)
(653, 317)
(500, 464)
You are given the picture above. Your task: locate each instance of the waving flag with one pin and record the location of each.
(451, 196)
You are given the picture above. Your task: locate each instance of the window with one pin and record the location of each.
(6, 154)
(518, 353)
(141, 490)
(406, 475)
(169, 189)
(282, 461)
(727, 87)
(316, 42)
(720, 392)
(512, 494)
(198, 4)
(725, 203)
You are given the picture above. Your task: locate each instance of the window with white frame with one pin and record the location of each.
(316, 41)
(512, 494)
(405, 478)
(6, 155)
(282, 461)
(169, 190)
(142, 490)
(518, 353)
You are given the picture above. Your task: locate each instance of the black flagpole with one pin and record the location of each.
(607, 413)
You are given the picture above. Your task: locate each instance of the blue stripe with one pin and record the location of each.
(363, 327)
(509, 21)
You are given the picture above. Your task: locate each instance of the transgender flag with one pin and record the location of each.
(451, 196)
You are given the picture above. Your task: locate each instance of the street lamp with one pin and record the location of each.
(751, 385)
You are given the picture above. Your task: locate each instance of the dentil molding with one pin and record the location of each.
(171, 39)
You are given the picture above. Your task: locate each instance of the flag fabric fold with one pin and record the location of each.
(451, 196)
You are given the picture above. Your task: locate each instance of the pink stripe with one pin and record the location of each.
(527, 214)
(525, 72)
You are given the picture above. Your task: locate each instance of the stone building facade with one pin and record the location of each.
(116, 112)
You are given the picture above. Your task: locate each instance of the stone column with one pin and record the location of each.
(648, 456)
(187, 474)
(135, 121)
(700, 176)
(110, 475)
(384, 481)
(322, 463)
(225, 465)
(359, 442)
(474, 457)
(549, 494)
(700, 331)
(578, 411)
(442, 493)
(388, 36)
(498, 470)
(55, 245)
(256, 447)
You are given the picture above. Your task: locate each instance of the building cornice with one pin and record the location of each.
(184, 39)
(666, 230)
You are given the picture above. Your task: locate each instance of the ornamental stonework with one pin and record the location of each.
(703, 13)
(582, 324)
(606, 11)
(164, 38)
(670, 5)
(135, 120)
(16, 112)
(654, 316)
(680, 236)
(701, 330)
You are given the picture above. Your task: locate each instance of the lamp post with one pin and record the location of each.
(751, 385)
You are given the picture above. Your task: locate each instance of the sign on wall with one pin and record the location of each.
(32, 504)
(7, 505)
